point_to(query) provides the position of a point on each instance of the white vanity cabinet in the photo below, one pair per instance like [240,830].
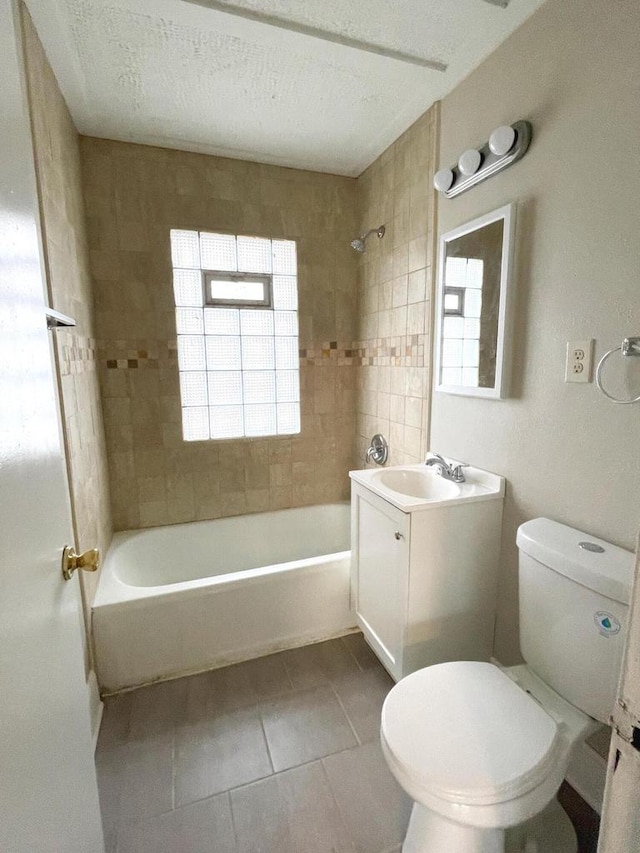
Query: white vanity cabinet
[424,581]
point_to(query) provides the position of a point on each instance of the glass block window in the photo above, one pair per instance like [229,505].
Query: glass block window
[236,302]
[462,311]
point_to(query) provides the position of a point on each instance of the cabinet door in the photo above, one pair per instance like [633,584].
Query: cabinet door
[381,566]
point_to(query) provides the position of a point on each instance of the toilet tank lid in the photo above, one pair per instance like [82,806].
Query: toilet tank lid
[608,572]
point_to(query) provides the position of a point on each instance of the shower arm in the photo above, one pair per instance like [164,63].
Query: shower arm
[379,231]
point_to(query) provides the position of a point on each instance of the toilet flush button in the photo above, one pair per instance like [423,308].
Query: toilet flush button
[592,547]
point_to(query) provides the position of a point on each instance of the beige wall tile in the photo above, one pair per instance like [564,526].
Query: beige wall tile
[133,195]
[413,411]
[395,274]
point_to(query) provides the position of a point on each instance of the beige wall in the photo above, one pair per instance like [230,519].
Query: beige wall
[69,283]
[134,195]
[394,295]
[573,70]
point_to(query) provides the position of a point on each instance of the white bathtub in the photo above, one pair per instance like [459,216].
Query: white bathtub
[190,597]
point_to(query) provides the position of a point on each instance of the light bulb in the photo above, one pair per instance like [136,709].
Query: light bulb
[501,140]
[443,179]
[469,162]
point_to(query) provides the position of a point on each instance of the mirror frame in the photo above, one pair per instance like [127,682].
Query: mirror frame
[508,214]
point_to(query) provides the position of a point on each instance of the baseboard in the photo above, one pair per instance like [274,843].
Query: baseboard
[239,657]
[96,706]
[587,774]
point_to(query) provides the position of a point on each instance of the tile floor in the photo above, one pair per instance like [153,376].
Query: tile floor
[275,755]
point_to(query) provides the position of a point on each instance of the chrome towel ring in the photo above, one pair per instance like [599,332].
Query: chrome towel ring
[629,346]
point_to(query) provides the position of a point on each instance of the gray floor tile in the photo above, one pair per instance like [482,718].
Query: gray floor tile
[116,716]
[156,709]
[361,651]
[267,675]
[204,827]
[362,695]
[373,806]
[135,781]
[305,725]
[109,789]
[218,692]
[219,753]
[318,663]
[292,812]
[110,842]
[206,732]
[231,687]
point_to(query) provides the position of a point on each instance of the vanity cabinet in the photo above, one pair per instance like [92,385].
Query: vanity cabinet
[424,582]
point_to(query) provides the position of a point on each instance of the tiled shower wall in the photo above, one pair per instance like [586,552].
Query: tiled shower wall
[57,159]
[394,295]
[134,195]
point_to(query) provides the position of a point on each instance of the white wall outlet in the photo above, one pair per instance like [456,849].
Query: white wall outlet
[579,360]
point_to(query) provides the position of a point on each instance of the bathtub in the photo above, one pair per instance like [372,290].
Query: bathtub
[189,597]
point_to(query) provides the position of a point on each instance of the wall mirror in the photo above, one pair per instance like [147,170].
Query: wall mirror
[472,323]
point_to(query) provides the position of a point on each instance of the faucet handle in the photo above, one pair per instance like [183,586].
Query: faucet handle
[456,473]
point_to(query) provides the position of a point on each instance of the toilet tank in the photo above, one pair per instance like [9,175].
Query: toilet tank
[574,600]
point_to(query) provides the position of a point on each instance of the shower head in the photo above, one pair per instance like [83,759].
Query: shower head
[360,243]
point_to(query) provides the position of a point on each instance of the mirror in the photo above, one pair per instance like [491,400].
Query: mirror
[471,315]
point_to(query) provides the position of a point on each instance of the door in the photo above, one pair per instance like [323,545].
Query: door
[48,791]
[620,830]
[381,534]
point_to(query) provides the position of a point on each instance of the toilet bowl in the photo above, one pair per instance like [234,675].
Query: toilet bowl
[482,750]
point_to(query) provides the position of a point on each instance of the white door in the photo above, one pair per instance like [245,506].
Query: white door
[620,829]
[48,791]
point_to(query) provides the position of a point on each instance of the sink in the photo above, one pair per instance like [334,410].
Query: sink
[416,487]
[424,483]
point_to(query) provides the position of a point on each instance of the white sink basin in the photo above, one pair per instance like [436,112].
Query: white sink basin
[424,483]
[415,487]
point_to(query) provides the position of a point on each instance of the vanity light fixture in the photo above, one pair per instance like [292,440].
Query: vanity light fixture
[469,162]
[501,140]
[443,180]
[507,144]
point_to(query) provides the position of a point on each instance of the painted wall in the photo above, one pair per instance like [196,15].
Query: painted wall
[573,70]
[134,195]
[394,295]
[57,158]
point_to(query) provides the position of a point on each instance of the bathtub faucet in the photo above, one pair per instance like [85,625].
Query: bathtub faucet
[378,450]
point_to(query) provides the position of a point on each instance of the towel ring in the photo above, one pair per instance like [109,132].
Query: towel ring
[629,346]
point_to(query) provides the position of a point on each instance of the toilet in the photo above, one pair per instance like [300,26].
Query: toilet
[482,750]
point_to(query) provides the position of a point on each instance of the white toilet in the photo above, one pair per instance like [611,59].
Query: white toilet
[482,751]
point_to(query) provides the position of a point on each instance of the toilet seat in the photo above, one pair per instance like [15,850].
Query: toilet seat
[464,733]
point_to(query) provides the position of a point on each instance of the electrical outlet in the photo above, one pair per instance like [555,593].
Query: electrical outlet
[578,364]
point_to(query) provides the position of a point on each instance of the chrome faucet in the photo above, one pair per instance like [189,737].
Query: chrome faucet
[449,472]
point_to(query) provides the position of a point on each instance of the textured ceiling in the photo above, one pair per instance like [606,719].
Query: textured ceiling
[277,81]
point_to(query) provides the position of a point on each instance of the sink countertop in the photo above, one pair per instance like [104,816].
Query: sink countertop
[479,485]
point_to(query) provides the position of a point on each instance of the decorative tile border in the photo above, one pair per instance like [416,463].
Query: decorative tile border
[136,355]
[335,352]
[402,351]
[139,354]
[78,354]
